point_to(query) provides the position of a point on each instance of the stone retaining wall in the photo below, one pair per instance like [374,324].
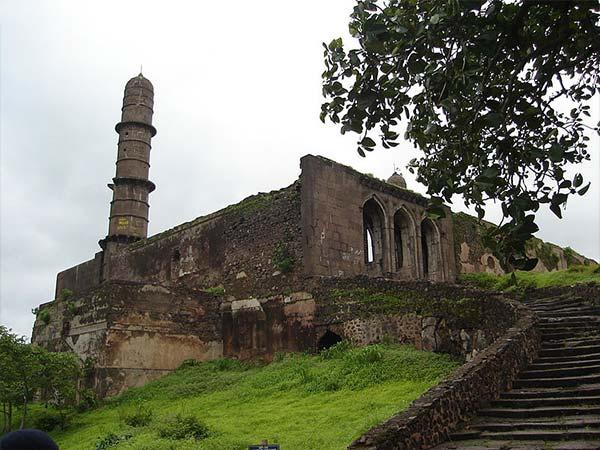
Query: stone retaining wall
[432,417]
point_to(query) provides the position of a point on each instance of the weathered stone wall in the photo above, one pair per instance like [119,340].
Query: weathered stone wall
[333,201]
[431,418]
[133,332]
[81,277]
[473,257]
[436,317]
[236,247]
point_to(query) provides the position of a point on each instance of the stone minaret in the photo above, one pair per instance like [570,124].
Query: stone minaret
[128,219]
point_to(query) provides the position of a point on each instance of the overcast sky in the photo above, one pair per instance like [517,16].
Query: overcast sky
[237,99]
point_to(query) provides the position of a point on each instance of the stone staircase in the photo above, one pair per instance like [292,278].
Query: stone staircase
[555,402]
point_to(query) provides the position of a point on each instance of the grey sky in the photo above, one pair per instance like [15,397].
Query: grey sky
[237,99]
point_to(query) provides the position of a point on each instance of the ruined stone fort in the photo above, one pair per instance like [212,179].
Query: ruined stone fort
[277,272]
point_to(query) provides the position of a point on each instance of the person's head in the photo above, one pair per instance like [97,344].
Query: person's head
[27,440]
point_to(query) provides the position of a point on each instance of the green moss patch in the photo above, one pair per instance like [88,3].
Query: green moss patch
[467,309]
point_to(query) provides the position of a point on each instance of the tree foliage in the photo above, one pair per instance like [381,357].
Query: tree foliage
[495,93]
[29,371]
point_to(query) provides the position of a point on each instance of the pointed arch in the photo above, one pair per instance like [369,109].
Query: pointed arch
[430,250]
[374,240]
[404,242]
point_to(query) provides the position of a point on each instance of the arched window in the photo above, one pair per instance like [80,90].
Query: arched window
[374,238]
[402,239]
[430,249]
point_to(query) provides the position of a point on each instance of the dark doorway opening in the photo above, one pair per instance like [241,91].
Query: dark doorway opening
[425,248]
[329,339]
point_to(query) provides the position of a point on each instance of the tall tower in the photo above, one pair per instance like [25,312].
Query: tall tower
[128,219]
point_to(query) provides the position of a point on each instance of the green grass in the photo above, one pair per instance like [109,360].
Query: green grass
[572,275]
[301,401]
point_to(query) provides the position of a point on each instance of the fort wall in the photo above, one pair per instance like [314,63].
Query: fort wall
[338,203]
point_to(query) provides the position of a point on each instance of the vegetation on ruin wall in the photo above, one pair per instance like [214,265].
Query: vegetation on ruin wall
[470,230]
[524,280]
[467,309]
[250,204]
[300,401]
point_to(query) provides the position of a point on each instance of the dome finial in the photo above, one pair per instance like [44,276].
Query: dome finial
[397,179]
[141,70]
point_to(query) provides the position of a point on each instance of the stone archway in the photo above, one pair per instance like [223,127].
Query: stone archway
[329,339]
[430,251]
[374,233]
[404,244]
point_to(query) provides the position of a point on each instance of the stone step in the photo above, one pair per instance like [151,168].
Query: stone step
[570,351]
[560,336]
[560,372]
[575,342]
[588,422]
[570,312]
[584,390]
[566,359]
[556,382]
[575,434]
[563,365]
[573,319]
[526,413]
[539,402]
[550,302]
[575,304]
[559,327]
[516,445]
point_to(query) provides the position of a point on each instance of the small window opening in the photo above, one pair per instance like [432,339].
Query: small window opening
[373,235]
[425,254]
[370,248]
[329,339]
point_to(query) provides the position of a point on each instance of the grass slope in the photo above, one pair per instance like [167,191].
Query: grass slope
[301,401]
[572,275]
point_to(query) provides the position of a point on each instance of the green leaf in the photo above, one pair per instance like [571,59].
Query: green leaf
[583,190]
[556,210]
[368,142]
[578,180]
[556,153]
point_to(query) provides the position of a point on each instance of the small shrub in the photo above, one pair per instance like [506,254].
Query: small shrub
[336,350]
[65,294]
[366,355]
[71,308]
[50,419]
[139,415]
[283,258]
[87,400]
[110,440]
[44,316]
[227,364]
[187,363]
[215,290]
[183,427]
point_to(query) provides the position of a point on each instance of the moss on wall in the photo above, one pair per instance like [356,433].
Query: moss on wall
[467,310]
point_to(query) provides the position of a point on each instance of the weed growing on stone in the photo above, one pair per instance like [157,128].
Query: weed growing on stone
[215,290]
